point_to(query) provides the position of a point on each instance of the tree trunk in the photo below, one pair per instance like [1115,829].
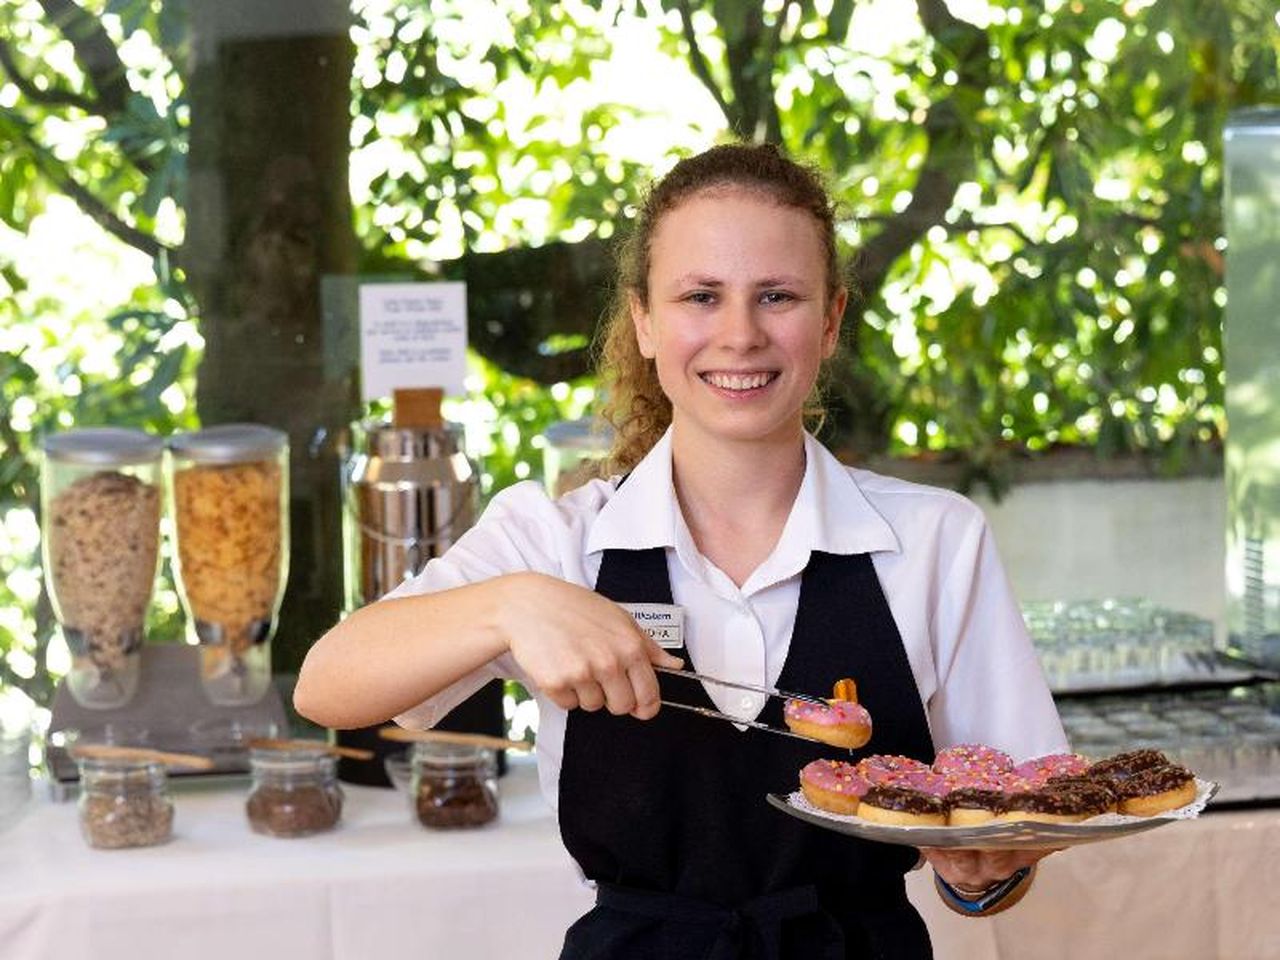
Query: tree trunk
[269,215]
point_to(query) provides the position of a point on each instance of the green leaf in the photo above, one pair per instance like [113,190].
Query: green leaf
[165,374]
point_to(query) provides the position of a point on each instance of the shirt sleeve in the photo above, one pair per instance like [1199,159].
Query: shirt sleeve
[521,530]
[991,688]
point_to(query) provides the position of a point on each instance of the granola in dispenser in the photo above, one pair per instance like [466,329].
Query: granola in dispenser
[103,534]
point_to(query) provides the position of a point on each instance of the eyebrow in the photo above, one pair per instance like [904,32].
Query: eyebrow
[698,280]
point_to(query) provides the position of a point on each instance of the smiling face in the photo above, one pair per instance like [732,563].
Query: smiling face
[739,317]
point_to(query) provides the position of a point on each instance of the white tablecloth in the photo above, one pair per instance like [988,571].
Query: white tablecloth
[381,886]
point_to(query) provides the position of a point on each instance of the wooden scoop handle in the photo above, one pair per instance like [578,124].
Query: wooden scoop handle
[401,735]
[351,753]
[107,751]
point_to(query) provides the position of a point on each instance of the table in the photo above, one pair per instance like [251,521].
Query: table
[379,886]
[382,886]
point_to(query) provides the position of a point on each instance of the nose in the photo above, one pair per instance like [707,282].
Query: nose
[741,325]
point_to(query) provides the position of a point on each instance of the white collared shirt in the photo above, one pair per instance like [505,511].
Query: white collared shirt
[974,666]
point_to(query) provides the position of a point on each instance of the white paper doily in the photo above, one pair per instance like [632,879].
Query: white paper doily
[999,835]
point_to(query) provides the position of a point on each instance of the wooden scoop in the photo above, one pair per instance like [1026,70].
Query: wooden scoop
[401,735]
[107,751]
[351,753]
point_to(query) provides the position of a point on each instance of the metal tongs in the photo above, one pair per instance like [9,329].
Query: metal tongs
[717,715]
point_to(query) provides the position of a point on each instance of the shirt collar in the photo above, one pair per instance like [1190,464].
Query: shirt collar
[830,514]
[642,512]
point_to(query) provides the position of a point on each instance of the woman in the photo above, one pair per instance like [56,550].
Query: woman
[790,570]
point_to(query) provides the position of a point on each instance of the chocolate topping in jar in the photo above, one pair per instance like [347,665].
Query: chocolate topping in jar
[454,785]
[903,799]
[462,801]
[294,811]
[295,792]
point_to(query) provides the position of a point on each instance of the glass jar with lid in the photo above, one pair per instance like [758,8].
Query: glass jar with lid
[453,785]
[229,486]
[295,792]
[100,526]
[124,803]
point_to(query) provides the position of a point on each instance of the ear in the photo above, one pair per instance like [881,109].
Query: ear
[832,320]
[644,328]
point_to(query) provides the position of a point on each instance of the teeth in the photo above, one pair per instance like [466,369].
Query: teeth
[737,381]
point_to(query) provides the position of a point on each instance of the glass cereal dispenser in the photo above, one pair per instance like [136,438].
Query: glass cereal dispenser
[100,539]
[229,487]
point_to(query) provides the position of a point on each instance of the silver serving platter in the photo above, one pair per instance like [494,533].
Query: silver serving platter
[1002,835]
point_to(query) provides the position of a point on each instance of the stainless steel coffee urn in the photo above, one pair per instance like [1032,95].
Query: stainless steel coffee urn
[410,492]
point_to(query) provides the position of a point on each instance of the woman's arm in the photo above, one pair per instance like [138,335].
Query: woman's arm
[574,645]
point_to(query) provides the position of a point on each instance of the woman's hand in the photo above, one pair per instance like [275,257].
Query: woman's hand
[579,648]
[972,871]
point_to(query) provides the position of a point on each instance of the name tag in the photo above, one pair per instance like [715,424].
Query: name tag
[662,621]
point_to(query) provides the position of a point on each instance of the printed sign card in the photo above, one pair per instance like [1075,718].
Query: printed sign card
[412,335]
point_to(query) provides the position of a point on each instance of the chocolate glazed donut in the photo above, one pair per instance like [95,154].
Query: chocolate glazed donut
[1156,790]
[1103,784]
[901,806]
[970,806]
[1064,803]
[1125,765]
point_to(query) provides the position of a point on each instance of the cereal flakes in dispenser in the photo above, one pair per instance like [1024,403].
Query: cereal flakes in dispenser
[100,538]
[229,488]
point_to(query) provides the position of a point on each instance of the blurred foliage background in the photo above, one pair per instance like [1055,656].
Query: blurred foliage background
[1032,187]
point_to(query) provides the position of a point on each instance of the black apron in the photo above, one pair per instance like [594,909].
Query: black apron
[668,816]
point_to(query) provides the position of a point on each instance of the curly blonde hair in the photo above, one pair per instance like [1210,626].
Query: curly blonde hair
[636,406]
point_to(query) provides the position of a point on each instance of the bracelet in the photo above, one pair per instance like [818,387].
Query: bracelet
[977,904]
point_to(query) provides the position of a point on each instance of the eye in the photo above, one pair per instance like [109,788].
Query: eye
[776,296]
[699,296]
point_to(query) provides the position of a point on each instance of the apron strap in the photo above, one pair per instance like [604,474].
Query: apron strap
[751,931]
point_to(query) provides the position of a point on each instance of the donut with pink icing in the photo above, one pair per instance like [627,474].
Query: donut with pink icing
[1016,784]
[978,779]
[833,785]
[840,723]
[969,757]
[889,769]
[926,781]
[1038,770]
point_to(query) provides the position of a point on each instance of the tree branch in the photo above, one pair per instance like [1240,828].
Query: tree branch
[100,60]
[949,158]
[963,226]
[701,68]
[772,119]
[54,98]
[95,53]
[92,206]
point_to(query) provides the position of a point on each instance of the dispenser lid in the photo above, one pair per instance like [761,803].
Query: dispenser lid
[417,408]
[103,446]
[230,443]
